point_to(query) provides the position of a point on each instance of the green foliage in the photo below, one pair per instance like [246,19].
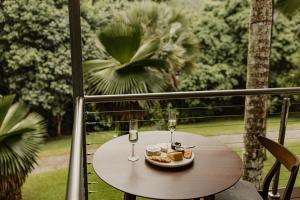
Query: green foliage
[222,28]
[99,13]
[218,77]
[284,45]
[35,53]
[20,139]
[131,69]
[292,78]
[206,77]
[35,49]
[288,7]
[146,30]
[223,32]
[147,46]
[179,46]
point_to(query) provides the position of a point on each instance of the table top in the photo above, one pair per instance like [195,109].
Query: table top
[215,167]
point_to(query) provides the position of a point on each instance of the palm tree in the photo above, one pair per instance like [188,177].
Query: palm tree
[132,67]
[20,139]
[147,46]
[179,46]
[259,49]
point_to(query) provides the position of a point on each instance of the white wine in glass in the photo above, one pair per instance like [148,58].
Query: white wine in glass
[172,123]
[133,138]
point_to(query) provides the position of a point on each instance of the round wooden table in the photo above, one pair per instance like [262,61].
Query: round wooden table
[215,168]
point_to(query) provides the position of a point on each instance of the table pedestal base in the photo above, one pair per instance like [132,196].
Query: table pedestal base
[212,197]
[128,196]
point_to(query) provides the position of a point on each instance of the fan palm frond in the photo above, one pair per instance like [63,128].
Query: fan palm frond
[145,14]
[20,139]
[121,40]
[132,68]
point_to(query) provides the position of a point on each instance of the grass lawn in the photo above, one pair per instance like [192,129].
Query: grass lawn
[62,145]
[52,185]
[232,126]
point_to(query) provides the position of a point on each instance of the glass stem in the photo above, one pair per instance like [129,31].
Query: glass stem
[132,153]
[171,137]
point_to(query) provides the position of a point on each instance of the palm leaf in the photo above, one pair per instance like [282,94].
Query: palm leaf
[5,103]
[93,66]
[158,64]
[130,79]
[121,40]
[20,139]
[145,13]
[13,116]
[146,50]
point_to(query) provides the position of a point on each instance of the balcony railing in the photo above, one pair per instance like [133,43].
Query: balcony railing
[87,119]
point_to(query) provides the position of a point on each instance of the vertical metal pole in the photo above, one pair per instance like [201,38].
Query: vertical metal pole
[77,74]
[76,49]
[75,179]
[282,130]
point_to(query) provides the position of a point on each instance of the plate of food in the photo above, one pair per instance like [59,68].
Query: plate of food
[163,157]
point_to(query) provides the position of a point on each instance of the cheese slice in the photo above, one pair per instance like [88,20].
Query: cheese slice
[153,150]
[163,147]
[175,156]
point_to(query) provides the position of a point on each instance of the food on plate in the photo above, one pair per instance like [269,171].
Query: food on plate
[187,154]
[175,144]
[175,156]
[160,159]
[153,150]
[163,147]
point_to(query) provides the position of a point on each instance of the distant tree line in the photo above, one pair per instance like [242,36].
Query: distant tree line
[35,50]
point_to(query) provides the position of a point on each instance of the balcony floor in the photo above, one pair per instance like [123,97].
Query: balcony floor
[295,195]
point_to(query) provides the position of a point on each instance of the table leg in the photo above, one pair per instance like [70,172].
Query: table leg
[212,197]
[128,196]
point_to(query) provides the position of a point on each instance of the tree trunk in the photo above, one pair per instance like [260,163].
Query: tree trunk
[14,195]
[59,123]
[259,49]
[10,187]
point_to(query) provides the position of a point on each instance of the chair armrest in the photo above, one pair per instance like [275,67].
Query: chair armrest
[262,194]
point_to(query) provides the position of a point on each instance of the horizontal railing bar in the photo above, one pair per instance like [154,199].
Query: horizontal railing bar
[191,94]
[93,182]
[177,108]
[93,191]
[93,143]
[149,120]
[200,126]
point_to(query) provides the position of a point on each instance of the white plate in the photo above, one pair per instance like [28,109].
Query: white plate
[172,164]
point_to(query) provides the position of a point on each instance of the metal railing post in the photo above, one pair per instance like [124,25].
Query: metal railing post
[274,194]
[75,186]
[77,76]
[84,158]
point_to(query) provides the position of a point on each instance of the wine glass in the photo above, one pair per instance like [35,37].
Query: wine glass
[172,122]
[133,138]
